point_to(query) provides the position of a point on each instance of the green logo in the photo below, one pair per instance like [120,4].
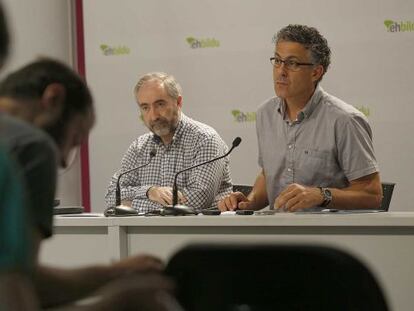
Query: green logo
[393,26]
[365,110]
[202,43]
[118,50]
[240,116]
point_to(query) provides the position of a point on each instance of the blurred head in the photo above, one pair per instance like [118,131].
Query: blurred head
[4,37]
[302,57]
[51,96]
[159,98]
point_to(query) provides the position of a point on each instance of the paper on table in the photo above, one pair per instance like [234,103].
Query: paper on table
[228,213]
[82,215]
[340,211]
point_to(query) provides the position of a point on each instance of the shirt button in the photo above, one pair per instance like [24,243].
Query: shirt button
[290,146]
[289,169]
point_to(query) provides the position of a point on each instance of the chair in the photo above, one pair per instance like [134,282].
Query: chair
[279,277]
[387,190]
[243,189]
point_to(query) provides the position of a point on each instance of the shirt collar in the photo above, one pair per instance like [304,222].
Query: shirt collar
[180,128]
[313,102]
[309,107]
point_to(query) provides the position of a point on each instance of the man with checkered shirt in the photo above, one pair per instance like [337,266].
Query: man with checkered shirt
[179,142]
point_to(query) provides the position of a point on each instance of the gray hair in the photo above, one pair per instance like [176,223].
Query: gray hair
[171,85]
[311,39]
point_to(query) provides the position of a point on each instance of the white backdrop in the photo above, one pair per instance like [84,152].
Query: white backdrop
[39,29]
[219,51]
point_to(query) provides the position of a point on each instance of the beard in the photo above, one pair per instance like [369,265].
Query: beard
[163,127]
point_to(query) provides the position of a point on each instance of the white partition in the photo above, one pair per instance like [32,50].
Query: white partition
[44,29]
[219,51]
[383,241]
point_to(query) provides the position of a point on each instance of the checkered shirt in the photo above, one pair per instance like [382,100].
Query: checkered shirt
[193,142]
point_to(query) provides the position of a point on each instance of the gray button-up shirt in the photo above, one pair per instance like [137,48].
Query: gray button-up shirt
[328,145]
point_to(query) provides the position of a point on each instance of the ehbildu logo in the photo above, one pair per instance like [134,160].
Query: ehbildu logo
[393,26]
[202,43]
[240,116]
[118,50]
[365,110]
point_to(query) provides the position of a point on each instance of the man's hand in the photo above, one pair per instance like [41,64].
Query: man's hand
[138,292]
[295,197]
[233,201]
[163,195]
[56,287]
[139,263]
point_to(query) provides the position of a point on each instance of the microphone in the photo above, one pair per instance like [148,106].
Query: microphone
[118,189]
[112,211]
[235,143]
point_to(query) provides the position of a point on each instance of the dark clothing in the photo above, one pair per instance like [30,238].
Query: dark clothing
[15,245]
[35,153]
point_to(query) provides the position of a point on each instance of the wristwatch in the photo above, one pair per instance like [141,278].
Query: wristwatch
[327,196]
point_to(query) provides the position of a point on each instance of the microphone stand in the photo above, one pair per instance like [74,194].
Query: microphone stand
[112,210]
[178,210]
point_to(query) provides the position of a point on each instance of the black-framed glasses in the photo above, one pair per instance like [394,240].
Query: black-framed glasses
[290,64]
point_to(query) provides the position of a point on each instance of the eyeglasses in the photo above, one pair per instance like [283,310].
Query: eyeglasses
[290,64]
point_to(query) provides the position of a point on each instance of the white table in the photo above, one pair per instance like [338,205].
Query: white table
[384,241]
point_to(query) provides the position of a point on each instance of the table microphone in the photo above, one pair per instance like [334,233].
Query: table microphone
[111,211]
[235,143]
[118,188]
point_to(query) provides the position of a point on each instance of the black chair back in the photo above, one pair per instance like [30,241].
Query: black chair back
[252,278]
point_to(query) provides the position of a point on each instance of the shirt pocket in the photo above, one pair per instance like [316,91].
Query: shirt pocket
[315,166]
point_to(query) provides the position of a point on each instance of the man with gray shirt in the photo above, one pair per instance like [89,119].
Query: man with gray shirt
[314,149]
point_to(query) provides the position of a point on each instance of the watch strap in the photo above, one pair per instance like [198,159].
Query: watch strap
[327,196]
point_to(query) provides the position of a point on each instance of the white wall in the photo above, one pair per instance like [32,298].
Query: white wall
[371,68]
[44,28]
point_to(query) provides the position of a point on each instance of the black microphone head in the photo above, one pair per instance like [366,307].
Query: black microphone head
[236,142]
[153,153]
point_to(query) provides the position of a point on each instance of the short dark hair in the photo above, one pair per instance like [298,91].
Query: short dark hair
[4,36]
[311,39]
[29,83]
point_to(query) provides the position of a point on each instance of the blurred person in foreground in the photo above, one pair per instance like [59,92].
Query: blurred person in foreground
[16,256]
[46,111]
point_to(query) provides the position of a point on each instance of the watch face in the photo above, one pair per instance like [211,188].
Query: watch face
[328,194]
